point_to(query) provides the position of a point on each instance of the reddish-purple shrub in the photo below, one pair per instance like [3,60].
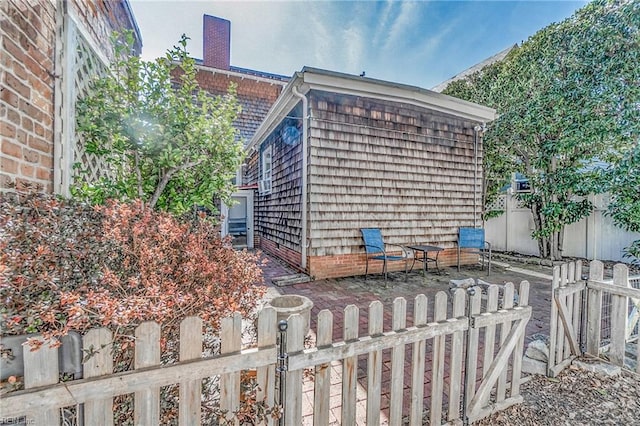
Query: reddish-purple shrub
[66,265]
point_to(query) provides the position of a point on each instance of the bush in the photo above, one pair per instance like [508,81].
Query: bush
[68,266]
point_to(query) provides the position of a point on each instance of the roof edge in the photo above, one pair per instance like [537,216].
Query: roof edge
[314,78]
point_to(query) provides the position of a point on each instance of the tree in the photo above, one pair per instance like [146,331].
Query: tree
[567,99]
[624,186]
[163,139]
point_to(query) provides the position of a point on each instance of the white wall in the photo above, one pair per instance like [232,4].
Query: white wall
[595,237]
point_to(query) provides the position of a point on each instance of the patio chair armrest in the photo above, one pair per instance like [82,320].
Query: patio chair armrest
[405,250]
[381,249]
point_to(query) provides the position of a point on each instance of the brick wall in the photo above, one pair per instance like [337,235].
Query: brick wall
[27,116]
[290,256]
[26,111]
[321,267]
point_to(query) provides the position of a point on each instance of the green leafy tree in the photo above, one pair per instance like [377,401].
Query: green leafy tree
[163,139]
[567,98]
[624,208]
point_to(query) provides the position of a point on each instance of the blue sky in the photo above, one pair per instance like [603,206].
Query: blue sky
[419,43]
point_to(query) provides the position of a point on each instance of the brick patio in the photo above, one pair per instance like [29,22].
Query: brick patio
[335,294]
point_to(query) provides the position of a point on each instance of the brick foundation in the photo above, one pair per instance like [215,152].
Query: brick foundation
[285,254]
[321,267]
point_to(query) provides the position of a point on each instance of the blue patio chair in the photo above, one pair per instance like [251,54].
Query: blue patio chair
[375,248]
[473,238]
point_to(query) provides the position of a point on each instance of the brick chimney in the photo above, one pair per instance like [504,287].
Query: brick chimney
[216,43]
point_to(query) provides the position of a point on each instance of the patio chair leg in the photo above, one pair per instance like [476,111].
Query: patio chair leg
[366,267]
[384,269]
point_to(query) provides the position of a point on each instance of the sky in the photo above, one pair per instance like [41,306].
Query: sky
[420,43]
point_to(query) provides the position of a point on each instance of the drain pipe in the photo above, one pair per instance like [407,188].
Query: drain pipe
[476,130]
[303,207]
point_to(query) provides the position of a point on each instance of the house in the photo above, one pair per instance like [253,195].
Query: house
[50,49]
[340,152]
[256,92]
[330,153]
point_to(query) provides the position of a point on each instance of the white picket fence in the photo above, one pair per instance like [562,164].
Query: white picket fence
[583,311]
[492,336]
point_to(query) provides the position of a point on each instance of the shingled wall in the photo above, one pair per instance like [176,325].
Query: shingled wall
[373,163]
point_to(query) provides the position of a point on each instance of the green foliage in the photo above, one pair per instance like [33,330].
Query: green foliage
[163,139]
[624,186]
[568,96]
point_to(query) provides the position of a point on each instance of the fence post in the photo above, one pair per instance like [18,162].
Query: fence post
[267,336]
[553,322]
[146,406]
[619,313]
[471,353]
[40,369]
[293,393]
[594,308]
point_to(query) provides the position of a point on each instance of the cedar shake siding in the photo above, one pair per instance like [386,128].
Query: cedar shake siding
[379,154]
[406,170]
[277,217]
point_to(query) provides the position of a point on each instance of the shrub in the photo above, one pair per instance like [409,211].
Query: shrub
[68,266]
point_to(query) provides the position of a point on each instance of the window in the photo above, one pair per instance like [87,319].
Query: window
[264,185]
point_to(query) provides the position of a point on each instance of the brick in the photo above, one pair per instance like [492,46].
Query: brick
[27,124]
[9,96]
[6,181]
[31,111]
[27,170]
[19,70]
[38,129]
[40,145]
[8,165]
[21,137]
[13,116]
[21,88]
[13,49]
[44,174]
[7,129]
[31,155]
[47,160]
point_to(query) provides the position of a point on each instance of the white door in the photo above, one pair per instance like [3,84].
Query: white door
[238,219]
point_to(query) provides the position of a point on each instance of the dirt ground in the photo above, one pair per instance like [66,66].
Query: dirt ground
[575,397]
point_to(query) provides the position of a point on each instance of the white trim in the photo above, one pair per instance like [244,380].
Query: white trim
[310,78]
[240,75]
[224,211]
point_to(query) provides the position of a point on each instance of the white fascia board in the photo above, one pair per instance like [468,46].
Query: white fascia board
[376,89]
[240,75]
[400,93]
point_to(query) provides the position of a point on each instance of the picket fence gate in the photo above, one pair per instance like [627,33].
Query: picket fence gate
[491,383]
[582,310]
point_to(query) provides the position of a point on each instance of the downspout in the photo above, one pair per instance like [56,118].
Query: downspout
[303,207]
[476,130]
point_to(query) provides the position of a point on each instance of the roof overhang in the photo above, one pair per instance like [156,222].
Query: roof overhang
[329,81]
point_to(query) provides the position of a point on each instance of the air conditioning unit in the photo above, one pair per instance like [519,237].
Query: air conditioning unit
[264,187]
